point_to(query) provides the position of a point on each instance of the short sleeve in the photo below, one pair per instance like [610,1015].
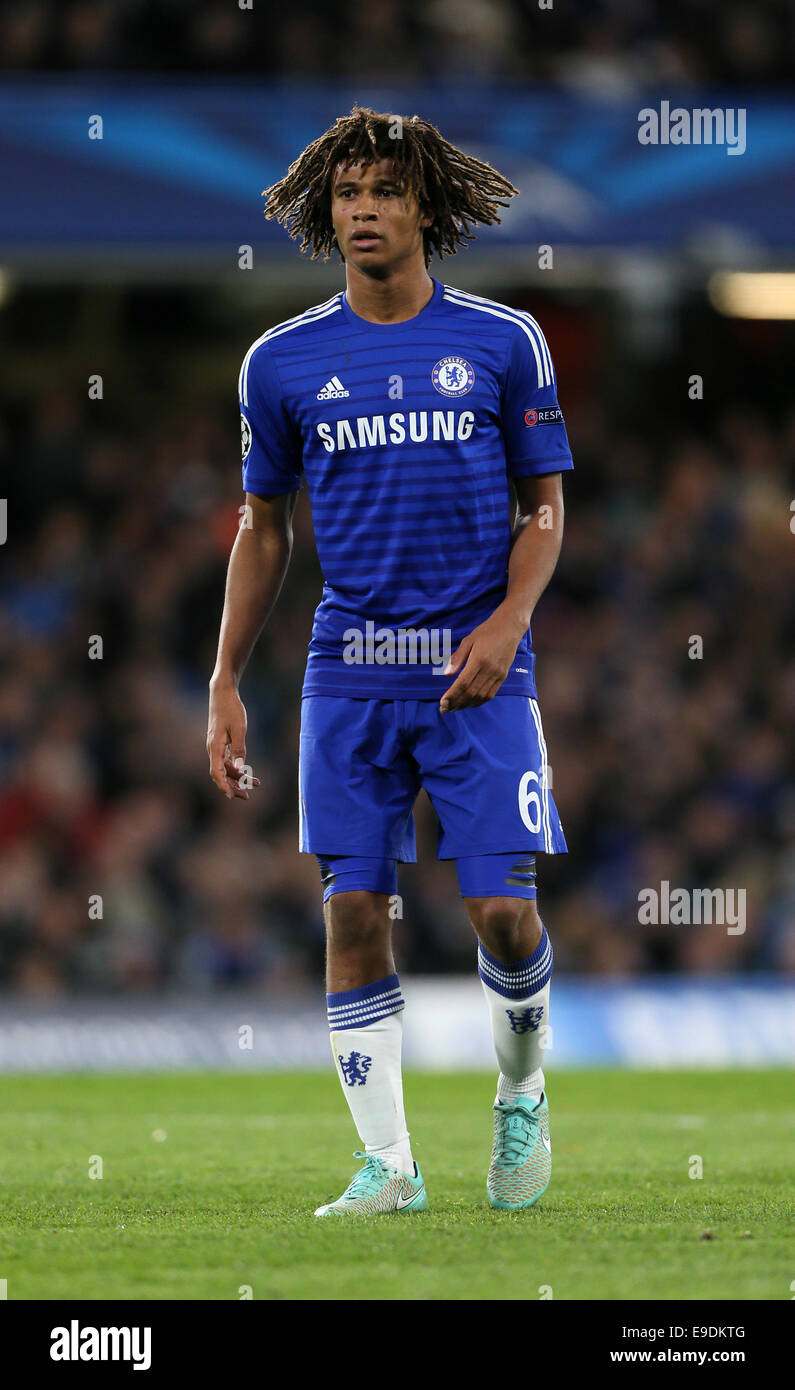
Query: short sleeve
[532,422]
[272,462]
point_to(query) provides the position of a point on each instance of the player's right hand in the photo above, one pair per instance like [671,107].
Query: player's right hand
[226,742]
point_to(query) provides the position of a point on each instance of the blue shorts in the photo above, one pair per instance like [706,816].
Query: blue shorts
[362,764]
[479,875]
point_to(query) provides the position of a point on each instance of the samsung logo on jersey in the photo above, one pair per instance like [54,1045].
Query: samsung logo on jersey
[368,431]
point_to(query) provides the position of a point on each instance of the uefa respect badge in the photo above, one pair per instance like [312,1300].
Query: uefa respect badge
[453,376]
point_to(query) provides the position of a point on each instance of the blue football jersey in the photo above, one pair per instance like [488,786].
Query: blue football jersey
[407,434]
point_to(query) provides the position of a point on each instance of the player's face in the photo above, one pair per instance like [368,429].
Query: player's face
[376,225]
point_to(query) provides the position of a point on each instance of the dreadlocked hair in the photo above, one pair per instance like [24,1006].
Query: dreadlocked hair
[453,188]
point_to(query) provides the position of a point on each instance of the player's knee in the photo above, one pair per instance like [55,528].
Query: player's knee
[503,923]
[356,920]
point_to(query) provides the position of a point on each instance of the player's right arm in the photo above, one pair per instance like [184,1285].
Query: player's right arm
[257,566]
[272,471]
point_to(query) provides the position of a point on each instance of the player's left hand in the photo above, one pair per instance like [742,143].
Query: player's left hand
[486,654]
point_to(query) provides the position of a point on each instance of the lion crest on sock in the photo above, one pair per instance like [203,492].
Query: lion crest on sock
[355,1069]
[525,1022]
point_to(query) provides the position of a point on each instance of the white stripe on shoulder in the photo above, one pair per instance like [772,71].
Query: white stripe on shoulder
[544,344]
[318,311]
[257,341]
[526,322]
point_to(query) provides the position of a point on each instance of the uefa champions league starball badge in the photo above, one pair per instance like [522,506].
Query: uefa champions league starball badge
[245,435]
[453,376]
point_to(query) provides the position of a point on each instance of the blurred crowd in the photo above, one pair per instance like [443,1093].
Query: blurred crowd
[124,869]
[609,47]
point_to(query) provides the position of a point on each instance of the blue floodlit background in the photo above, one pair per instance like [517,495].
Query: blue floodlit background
[120,257]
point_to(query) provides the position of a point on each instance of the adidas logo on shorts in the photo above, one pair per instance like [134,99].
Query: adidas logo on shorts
[332,391]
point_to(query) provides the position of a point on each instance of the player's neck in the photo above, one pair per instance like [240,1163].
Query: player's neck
[400,295]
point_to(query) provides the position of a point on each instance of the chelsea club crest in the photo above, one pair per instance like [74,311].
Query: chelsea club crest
[453,376]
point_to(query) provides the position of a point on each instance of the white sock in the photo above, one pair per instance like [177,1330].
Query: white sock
[517,994]
[508,1090]
[366,1028]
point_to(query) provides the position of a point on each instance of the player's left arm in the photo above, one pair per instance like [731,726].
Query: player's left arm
[487,652]
[536,454]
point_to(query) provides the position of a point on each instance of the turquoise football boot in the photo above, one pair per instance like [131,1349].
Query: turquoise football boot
[521,1160]
[376,1188]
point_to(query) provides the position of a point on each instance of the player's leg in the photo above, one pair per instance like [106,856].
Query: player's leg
[365,1014]
[365,1004]
[356,795]
[515,966]
[486,773]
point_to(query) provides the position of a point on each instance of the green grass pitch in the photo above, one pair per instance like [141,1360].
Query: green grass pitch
[225,1199]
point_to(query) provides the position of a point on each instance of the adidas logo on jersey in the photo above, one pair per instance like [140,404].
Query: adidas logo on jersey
[332,391]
